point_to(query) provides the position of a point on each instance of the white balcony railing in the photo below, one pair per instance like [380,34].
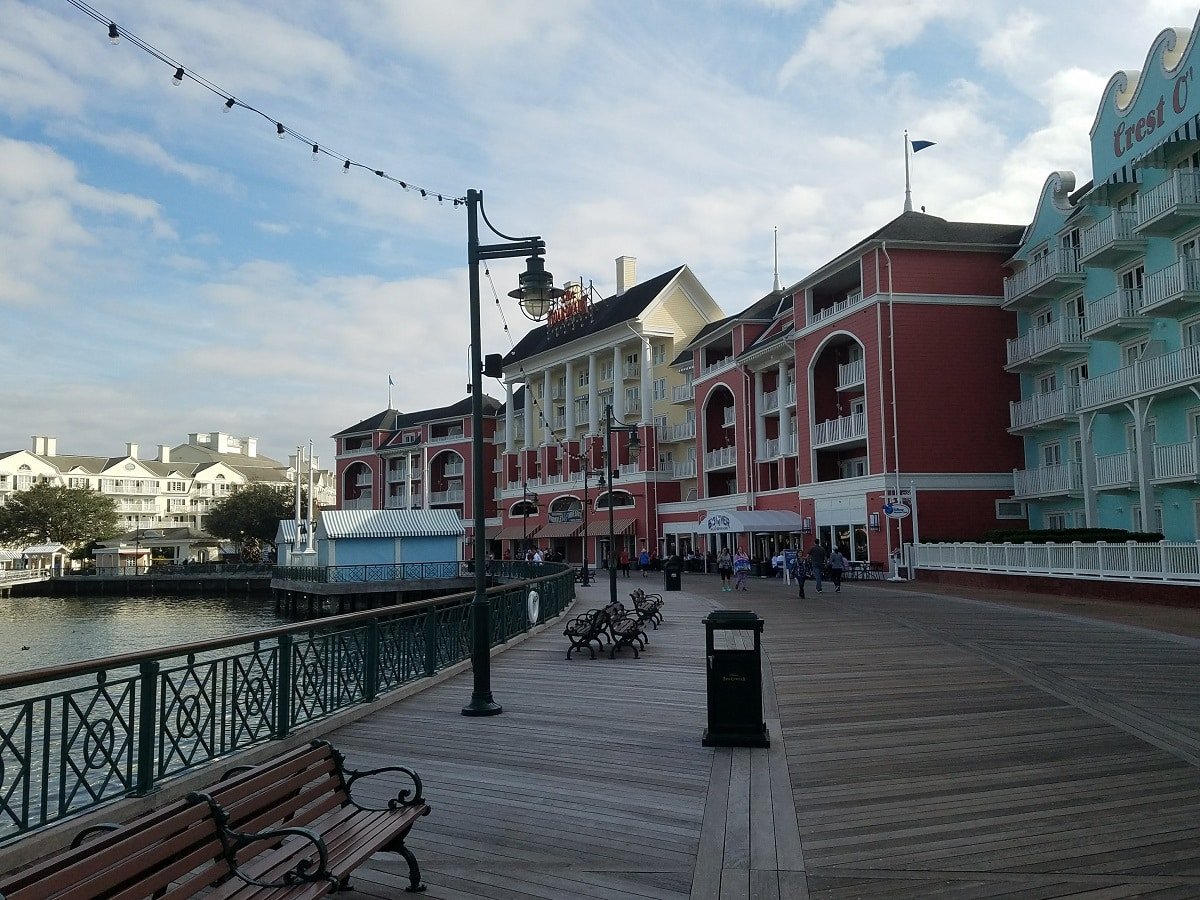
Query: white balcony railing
[1174,283]
[1037,341]
[1115,470]
[727,418]
[720,459]
[1047,407]
[453,470]
[631,370]
[683,393]
[1146,376]
[1182,188]
[454,496]
[852,299]
[1059,263]
[685,468]
[770,449]
[836,431]
[789,394]
[625,470]
[851,374]
[1117,227]
[1123,304]
[1046,480]
[770,401]
[671,434]
[448,438]
[719,366]
[1177,461]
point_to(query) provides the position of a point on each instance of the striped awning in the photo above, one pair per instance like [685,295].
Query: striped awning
[599,527]
[1118,182]
[517,532]
[560,529]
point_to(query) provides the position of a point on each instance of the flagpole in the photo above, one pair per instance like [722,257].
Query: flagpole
[907,183]
[389,406]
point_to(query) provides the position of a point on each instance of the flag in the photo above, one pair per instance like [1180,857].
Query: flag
[390,382]
[918,146]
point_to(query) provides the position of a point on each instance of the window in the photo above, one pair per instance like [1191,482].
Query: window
[658,354]
[1156,519]
[77,482]
[666,461]
[1193,419]
[853,468]
[1070,242]
[1131,436]
[1131,283]
[1189,163]
[660,421]
[1010,509]
[585,377]
[1073,307]
[540,390]
[660,388]
[1128,203]
[1076,445]
[1056,520]
[633,360]
[1047,383]
[606,371]
[560,386]
[1132,352]
[1077,374]
[633,397]
[177,486]
[1050,454]
[1042,318]
[1191,333]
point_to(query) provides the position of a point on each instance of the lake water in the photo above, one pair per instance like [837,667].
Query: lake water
[58,630]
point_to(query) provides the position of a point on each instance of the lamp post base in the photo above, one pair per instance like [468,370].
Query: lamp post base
[482,706]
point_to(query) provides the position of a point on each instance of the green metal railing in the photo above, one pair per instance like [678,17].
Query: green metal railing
[412,571]
[72,737]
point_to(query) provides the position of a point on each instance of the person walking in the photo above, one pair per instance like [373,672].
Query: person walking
[624,560]
[816,559]
[644,561]
[837,566]
[799,571]
[725,568]
[741,571]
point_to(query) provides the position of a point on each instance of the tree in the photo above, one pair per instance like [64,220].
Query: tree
[250,517]
[53,514]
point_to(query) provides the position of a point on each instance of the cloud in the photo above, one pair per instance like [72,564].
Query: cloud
[142,149]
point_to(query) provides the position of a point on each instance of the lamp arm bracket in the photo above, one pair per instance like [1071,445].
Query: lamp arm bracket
[492,228]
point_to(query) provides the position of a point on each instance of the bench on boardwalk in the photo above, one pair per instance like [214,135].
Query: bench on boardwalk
[585,629]
[288,828]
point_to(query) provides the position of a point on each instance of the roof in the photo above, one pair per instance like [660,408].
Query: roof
[394,420]
[44,548]
[337,524]
[608,312]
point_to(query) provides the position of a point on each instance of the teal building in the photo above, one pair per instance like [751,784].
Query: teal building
[1106,289]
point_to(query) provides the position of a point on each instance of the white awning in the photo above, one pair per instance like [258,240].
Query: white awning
[736,521]
[680,527]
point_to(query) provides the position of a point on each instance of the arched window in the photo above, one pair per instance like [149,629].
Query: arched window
[566,509]
[619,499]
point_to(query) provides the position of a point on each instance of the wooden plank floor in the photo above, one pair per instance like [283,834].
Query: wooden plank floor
[922,746]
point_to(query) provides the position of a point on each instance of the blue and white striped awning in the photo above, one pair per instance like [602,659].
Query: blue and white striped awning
[338,524]
[1179,139]
[1118,182]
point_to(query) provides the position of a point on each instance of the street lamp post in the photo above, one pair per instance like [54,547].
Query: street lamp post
[588,472]
[526,498]
[536,295]
[611,424]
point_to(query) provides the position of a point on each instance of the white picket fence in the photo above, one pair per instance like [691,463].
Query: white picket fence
[1163,562]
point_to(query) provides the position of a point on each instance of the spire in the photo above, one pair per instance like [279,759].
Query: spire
[777,286]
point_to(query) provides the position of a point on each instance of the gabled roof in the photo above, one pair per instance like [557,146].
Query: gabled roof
[766,309]
[394,420]
[338,524]
[606,313]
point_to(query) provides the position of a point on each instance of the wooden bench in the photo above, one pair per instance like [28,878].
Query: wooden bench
[648,606]
[288,828]
[585,629]
[625,629]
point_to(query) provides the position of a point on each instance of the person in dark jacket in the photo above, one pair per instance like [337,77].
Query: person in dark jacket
[816,559]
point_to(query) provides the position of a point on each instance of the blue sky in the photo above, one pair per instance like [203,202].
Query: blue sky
[167,268]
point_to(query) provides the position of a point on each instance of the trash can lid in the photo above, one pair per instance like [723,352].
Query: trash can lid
[733,618]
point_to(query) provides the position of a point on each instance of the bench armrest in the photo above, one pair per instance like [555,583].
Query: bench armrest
[90,830]
[233,841]
[403,798]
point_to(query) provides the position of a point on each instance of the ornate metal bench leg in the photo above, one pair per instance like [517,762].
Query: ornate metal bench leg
[414,871]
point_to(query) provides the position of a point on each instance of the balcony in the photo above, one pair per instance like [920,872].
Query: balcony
[400,473]
[1049,343]
[1044,278]
[1047,481]
[449,437]
[685,469]
[851,375]
[1177,462]
[1170,207]
[499,436]
[627,470]
[770,450]
[453,470]
[558,423]
[1168,373]
[727,417]
[1044,410]
[631,371]
[684,393]
[136,506]
[844,430]
[1111,241]
[363,502]
[770,401]
[715,368]
[1115,472]
[673,434]
[1174,290]
[789,394]
[437,498]
[1115,316]
[851,300]
[725,458]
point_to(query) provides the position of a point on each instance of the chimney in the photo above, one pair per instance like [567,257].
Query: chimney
[51,446]
[131,450]
[626,273]
[39,445]
[251,447]
[164,453]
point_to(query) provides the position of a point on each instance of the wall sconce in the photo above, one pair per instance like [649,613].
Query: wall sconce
[806,528]
[873,521]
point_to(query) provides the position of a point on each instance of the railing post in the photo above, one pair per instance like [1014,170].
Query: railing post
[283,687]
[371,675]
[431,630]
[147,726]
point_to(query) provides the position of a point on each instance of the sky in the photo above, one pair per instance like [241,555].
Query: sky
[168,268]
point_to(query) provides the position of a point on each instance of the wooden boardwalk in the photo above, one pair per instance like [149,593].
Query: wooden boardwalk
[922,746]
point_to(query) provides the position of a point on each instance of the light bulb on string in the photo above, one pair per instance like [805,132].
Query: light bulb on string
[113,34]
[346,167]
[316,150]
[229,104]
[178,79]
[280,130]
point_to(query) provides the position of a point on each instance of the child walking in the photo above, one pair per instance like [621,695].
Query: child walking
[725,568]
[741,571]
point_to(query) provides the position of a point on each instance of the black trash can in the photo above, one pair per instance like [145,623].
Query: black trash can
[735,705]
[673,574]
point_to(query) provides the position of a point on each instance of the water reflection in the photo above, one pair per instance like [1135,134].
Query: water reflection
[59,630]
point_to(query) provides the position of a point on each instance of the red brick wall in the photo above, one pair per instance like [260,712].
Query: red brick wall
[944,272]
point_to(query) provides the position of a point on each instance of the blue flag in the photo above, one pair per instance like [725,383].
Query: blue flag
[390,382]
[918,146]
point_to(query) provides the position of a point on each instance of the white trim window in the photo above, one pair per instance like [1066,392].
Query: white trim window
[1191,332]
[658,354]
[1056,520]
[1073,307]
[1050,454]
[1131,281]
[585,377]
[1046,383]
[660,389]
[1077,374]
[1132,352]
[1043,317]
[1136,515]
[606,370]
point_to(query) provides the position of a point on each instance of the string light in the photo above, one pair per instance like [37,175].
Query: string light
[229,102]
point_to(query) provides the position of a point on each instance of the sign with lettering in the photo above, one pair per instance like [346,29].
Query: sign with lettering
[1127,136]
[571,307]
